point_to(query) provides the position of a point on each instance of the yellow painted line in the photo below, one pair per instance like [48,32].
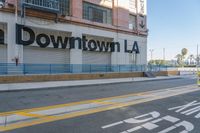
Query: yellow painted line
[30,115]
[104,102]
[77,103]
[72,115]
[69,104]
[81,113]
[47,119]
[77,114]
[67,116]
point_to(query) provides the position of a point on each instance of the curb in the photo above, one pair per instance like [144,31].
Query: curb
[7,86]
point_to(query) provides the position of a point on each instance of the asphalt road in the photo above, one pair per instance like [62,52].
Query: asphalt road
[10,101]
[93,123]
[176,114]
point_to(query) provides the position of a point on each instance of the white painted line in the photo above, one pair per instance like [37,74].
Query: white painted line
[171,119]
[168,129]
[147,96]
[124,132]
[68,109]
[134,129]
[157,120]
[113,124]
[12,118]
[150,126]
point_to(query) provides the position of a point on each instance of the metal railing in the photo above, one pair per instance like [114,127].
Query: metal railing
[48,5]
[6,69]
[61,7]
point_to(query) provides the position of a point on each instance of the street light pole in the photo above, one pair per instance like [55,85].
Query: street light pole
[164,54]
[151,50]
[197,55]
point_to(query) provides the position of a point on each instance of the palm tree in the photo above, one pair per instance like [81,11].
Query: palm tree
[197,59]
[190,58]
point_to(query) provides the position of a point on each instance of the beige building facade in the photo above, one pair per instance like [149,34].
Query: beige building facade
[108,32]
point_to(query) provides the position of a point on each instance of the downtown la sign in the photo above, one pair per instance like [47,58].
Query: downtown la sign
[43,40]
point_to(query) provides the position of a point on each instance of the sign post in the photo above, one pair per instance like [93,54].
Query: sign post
[198,76]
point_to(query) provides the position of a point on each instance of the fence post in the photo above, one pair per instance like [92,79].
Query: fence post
[131,68]
[106,68]
[49,68]
[24,69]
[142,68]
[90,68]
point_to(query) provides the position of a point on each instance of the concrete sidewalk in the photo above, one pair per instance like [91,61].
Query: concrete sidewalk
[52,84]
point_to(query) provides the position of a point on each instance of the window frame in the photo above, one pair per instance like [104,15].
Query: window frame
[105,18]
[68,10]
[2,37]
[134,27]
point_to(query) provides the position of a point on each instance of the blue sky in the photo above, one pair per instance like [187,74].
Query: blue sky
[173,25]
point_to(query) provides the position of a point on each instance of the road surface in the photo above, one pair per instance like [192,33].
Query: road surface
[164,106]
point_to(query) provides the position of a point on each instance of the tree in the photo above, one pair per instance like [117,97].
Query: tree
[163,62]
[184,52]
[157,62]
[151,62]
[190,58]
[179,59]
[197,59]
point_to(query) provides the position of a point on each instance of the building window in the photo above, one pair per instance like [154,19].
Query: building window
[132,22]
[1,36]
[132,4]
[97,13]
[65,7]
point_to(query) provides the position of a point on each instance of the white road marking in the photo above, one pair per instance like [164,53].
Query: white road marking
[168,129]
[187,125]
[134,129]
[153,115]
[180,108]
[150,126]
[113,124]
[133,99]
[12,118]
[67,109]
[188,109]
[171,119]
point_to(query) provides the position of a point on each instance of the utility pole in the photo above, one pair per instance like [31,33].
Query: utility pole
[151,50]
[164,54]
[197,55]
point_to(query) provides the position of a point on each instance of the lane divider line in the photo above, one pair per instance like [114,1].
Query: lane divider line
[85,101]
[88,111]
[30,115]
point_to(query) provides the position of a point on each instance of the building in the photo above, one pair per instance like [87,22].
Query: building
[101,32]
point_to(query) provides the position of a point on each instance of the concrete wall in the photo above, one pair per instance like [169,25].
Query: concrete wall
[167,73]
[188,70]
[75,30]
[65,77]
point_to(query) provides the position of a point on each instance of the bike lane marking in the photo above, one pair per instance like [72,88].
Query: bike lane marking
[43,116]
